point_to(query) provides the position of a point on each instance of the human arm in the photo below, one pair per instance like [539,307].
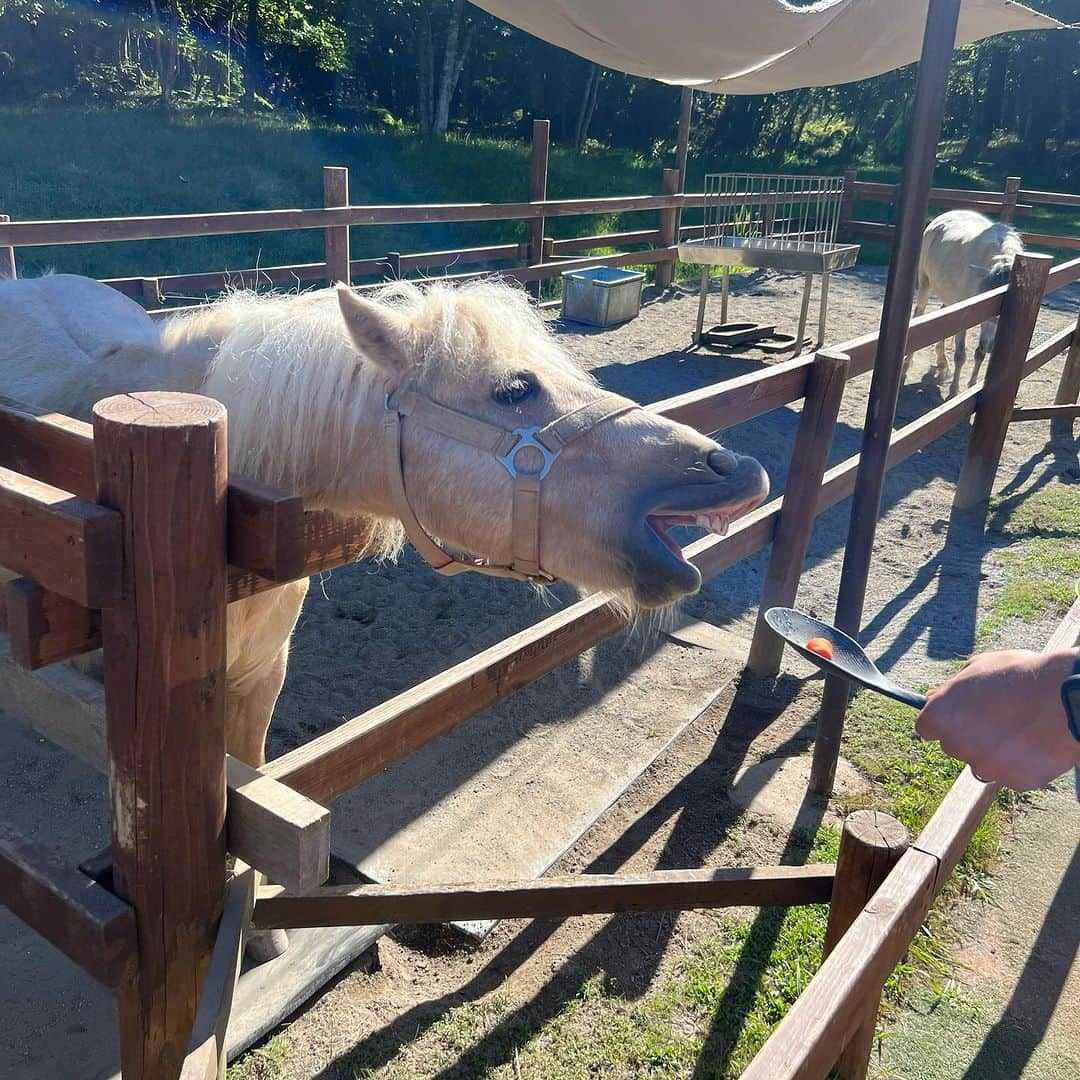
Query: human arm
[1002,713]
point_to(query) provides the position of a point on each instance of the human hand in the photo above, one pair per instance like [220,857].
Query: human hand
[1002,714]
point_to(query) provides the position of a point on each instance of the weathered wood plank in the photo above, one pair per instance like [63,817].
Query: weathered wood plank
[69,545]
[48,446]
[1046,412]
[555,897]
[336,238]
[1005,369]
[1056,198]
[669,231]
[286,835]
[870,846]
[161,463]
[327,541]
[205,1059]
[618,239]
[817,425]
[428,260]
[167,227]
[1050,240]
[266,525]
[82,919]
[538,182]
[265,530]
[44,627]
[1068,389]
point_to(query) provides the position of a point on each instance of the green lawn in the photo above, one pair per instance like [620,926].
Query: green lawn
[64,163]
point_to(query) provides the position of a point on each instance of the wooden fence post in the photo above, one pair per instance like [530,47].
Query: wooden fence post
[538,179]
[7,256]
[847,202]
[161,462]
[1068,390]
[151,293]
[824,391]
[1005,369]
[870,846]
[1008,205]
[336,243]
[669,226]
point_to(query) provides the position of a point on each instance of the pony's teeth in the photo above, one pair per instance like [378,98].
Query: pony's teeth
[704,521]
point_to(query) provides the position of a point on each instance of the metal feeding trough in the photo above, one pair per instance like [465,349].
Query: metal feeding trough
[776,222]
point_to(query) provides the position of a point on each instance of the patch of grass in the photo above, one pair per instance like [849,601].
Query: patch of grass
[265,1062]
[911,777]
[64,162]
[1042,560]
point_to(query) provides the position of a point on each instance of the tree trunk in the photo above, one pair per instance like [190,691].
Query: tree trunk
[449,69]
[252,59]
[588,105]
[165,47]
[987,114]
[425,72]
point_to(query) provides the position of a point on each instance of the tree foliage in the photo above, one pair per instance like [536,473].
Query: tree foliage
[443,65]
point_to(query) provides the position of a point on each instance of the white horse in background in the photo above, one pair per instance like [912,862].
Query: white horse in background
[964,254]
[307,380]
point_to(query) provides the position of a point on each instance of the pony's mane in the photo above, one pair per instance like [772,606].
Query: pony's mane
[289,358]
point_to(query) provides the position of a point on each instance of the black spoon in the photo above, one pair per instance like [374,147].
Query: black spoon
[848,659]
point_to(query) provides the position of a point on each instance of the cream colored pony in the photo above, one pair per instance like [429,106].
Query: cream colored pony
[305,379]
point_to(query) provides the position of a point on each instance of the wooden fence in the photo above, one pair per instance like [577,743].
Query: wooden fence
[83,510]
[1005,205]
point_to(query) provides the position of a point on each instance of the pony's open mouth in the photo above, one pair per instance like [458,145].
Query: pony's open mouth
[716,521]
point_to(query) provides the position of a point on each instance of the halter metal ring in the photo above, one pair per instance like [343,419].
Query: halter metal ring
[526,436]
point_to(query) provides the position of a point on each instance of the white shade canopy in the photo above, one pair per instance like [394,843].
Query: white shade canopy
[753,46]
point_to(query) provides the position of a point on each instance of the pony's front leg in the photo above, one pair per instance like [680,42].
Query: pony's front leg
[959,358]
[922,297]
[247,719]
[259,632]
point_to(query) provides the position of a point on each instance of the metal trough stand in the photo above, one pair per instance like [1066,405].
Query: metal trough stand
[770,221]
[773,255]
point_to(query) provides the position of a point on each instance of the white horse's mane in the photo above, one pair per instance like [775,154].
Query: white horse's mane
[290,358]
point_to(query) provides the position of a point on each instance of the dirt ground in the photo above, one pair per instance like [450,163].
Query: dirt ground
[368,633]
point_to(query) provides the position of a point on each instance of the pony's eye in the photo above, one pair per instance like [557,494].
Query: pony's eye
[515,388]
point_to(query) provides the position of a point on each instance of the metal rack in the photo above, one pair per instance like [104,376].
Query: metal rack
[775,221]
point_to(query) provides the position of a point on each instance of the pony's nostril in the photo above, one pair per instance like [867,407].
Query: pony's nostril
[722,462]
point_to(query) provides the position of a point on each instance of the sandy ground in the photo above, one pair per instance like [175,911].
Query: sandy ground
[369,632]
[924,603]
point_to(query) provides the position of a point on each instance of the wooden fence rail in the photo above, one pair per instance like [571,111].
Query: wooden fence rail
[544,898]
[1014,199]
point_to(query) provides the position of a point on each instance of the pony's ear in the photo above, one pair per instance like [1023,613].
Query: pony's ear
[376,330]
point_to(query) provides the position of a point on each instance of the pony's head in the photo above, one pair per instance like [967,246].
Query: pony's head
[609,495]
[993,277]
